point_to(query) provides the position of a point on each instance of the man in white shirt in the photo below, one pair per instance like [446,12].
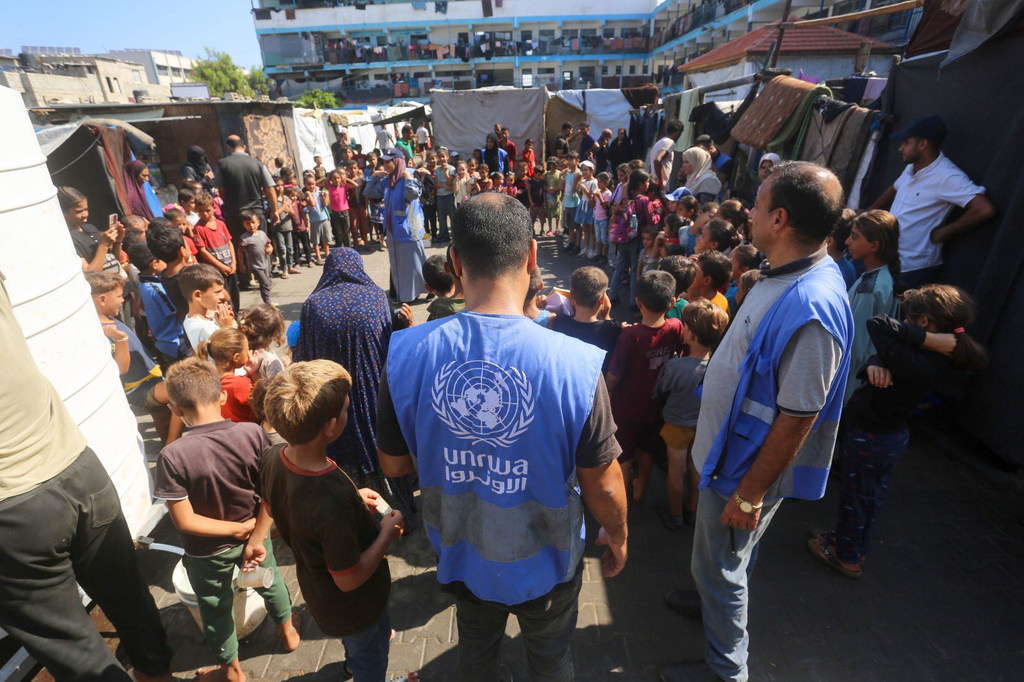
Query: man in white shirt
[423,137]
[922,198]
[659,160]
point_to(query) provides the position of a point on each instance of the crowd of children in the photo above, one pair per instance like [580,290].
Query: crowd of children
[166,294]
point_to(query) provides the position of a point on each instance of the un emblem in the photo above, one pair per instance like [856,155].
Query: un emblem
[482,402]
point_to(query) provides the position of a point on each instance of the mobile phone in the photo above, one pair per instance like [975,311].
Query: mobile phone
[383,508]
[111,221]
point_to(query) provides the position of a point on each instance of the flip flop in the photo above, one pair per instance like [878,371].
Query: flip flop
[823,553]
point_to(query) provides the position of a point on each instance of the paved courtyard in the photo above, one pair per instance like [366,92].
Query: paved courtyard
[941,598]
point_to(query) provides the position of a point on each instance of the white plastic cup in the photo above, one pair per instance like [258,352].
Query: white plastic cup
[258,577]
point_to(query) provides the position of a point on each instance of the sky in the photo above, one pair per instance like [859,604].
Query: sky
[104,25]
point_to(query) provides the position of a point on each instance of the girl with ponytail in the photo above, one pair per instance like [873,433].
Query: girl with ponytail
[873,240]
[913,358]
[228,350]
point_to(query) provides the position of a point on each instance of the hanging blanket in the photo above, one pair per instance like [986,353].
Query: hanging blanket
[848,149]
[822,136]
[792,133]
[766,116]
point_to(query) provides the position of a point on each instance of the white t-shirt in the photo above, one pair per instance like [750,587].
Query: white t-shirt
[668,145]
[422,135]
[198,329]
[923,202]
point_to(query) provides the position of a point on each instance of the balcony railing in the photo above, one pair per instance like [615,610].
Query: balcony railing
[699,16]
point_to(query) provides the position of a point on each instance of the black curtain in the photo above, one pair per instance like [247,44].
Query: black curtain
[978,96]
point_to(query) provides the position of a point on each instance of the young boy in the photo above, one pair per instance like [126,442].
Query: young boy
[570,201]
[445,286]
[161,297]
[633,372]
[713,270]
[140,376]
[590,324]
[836,245]
[326,521]
[180,221]
[533,305]
[215,245]
[209,480]
[187,202]
[208,307]
[535,194]
[586,189]
[683,271]
[744,259]
[319,172]
[703,326]
[257,247]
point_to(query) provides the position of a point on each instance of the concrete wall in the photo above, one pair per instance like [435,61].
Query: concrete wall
[41,89]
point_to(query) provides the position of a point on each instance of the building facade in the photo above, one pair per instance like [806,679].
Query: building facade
[46,79]
[163,67]
[371,50]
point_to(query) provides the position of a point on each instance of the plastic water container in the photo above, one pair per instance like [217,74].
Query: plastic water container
[54,308]
[249,608]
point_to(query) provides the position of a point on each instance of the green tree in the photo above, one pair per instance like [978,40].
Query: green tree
[222,75]
[258,81]
[317,99]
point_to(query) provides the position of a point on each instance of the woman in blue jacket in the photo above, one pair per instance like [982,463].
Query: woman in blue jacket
[403,223]
[494,156]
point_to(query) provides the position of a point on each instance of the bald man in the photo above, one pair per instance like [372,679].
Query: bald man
[770,408]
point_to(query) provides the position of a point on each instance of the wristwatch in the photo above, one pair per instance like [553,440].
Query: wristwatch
[746,507]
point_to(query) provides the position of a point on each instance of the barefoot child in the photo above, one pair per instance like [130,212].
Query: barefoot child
[208,479]
[327,522]
[703,327]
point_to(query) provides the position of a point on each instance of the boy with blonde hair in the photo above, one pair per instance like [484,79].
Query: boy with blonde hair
[328,523]
[209,480]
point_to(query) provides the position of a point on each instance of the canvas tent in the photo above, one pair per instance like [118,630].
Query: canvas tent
[314,135]
[463,118]
[987,142]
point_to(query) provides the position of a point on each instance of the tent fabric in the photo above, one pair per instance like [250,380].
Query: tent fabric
[935,29]
[313,136]
[90,160]
[793,131]
[603,108]
[822,136]
[844,160]
[558,112]
[721,75]
[645,95]
[982,21]
[989,260]
[463,118]
[770,112]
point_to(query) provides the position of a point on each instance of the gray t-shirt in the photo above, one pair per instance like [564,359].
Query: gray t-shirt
[439,177]
[680,378]
[255,246]
[805,373]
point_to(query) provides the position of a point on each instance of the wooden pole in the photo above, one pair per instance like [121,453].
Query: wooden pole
[854,16]
[782,31]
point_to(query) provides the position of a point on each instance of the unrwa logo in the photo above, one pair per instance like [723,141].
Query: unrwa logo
[482,402]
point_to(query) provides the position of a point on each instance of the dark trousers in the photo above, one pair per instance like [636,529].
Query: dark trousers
[547,624]
[300,238]
[867,462]
[262,276]
[430,218]
[231,284]
[71,528]
[342,229]
[285,252]
[918,278]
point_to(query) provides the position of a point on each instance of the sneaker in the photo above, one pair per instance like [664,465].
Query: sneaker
[684,602]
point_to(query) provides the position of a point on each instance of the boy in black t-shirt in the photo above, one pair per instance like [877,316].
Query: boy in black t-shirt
[209,479]
[327,522]
[590,324]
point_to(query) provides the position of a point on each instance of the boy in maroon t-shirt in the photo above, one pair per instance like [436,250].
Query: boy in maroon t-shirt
[215,246]
[633,373]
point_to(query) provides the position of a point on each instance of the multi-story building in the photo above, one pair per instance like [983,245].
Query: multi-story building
[383,49]
[163,67]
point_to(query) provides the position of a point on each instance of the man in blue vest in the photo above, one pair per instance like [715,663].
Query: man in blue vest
[509,427]
[770,408]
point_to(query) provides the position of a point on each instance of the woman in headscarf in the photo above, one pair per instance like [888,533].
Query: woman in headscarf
[136,175]
[197,167]
[494,156]
[701,179]
[766,164]
[620,150]
[347,320]
[403,224]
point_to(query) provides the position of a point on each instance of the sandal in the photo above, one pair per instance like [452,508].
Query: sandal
[823,553]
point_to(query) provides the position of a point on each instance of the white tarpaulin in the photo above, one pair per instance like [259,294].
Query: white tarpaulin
[700,79]
[605,108]
[463,118]
[313,133]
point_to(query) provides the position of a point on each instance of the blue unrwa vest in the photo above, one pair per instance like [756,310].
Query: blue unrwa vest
[817,295]
[492,408]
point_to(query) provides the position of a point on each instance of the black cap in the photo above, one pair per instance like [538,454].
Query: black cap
[930,128]
[392,153]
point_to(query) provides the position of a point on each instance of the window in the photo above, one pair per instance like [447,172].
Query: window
[527,80]
[110,85]
[632,69]
[570,33]
[604,70]
[588,32]
[646,68]
[463,38]
[609,33]
[136,77]
[618,70]
[545,71]
[526,34]
[547,34]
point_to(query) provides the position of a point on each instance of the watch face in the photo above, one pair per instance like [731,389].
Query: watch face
[746,507]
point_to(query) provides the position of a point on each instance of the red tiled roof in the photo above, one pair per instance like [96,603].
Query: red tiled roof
[796,40]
